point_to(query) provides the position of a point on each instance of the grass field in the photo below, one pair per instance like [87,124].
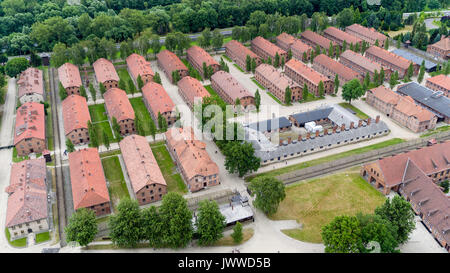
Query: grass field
[227,58]
[117,185]
[125,76]
[247,234]
[360,114]
[311,97]
[314,203]
[18,158]
[214,94]
[22,242]
[435,131]
[42,237]
[174,180]
[240,69]
[142,113]
[327,158]
[257,83]
[100,122]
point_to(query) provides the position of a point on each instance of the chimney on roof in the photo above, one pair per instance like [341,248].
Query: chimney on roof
[377,119]
[352,124]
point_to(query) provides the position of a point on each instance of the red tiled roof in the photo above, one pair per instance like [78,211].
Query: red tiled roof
[27,191]
[105,71]
[170,61]
[300,46]
[336,67]
[317,39]
[267,46]
[389,56]
[118,105]
[443,44]
[367,32]
[191,153]
[361,60]
[140,162]
[385,94]
[87,178]
[200,56]
[230,85]
[240,50]
[440,80]
[192,88]
[157,98]
[69,75]
[75,113]
[307,72]
[31,81]
[286,38]
[274,76]
[138,65]
[429,159]
[30,122]
[341,35]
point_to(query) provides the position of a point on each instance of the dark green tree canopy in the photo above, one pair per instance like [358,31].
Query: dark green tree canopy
[269,193]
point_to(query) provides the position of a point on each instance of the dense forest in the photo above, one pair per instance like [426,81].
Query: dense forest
[37,25]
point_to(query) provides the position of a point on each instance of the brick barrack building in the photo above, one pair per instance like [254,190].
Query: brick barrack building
[76,117]
[119,107]
[238,53]
[106,74]
[402,109]
[362,65]
[145,176]
[197,56]
[169,62]
[265,49]
[88,181]
[139,66]
[31,86]
[197,168]
[391,60]
[276,82]
[338,36]
[157,101]
[369,35]
[29,134]
[230,89]
[303,74]
[313,39]
[69,76]
[440,49]
[190,88]
[298,48]
[439,83]
[330,68]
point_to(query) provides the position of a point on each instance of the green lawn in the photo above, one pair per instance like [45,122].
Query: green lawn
[227,58]
[142,113]
[173,179]
[258,84]
[196,74]
[42,237]
[247,234]
[327,159]
[239,68]
[435,131]
[314,203]
[22,242]
[18,158]
[117,185]
[100,122]
[213,93]
[49,129]
[360,114]
[109,153]
[125,76]
[311,97]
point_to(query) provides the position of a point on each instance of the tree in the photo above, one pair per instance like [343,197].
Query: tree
[152,227]
[240,158]
[217,39]
[131,87]
[409,73]
[122,84]
[83,92]
[253,65]
[176,220]
[321,89]
[377,42]
[102,88]
[276,62]
[330,50]
[155,44]
[421,72]
[35,60]
[336,84]
[126,225]
[248,63]
[116,129]
[445,186]
[92,135]
[82,227]
[376,229]
[283,62]
[15,66]
[398,43]
[342,235]
[60,55]
[398,211]
[386,44]
[210,222]
[93,92]
[269,60]
[257,100]
[269,193]
[305,57]
[69,145]
[392,80]
[152,129]
[140,83]
[382,76]
[287,95]
[106,140]
[305,92]
[62,91]
[352,90]
[237,233]
[157,78]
